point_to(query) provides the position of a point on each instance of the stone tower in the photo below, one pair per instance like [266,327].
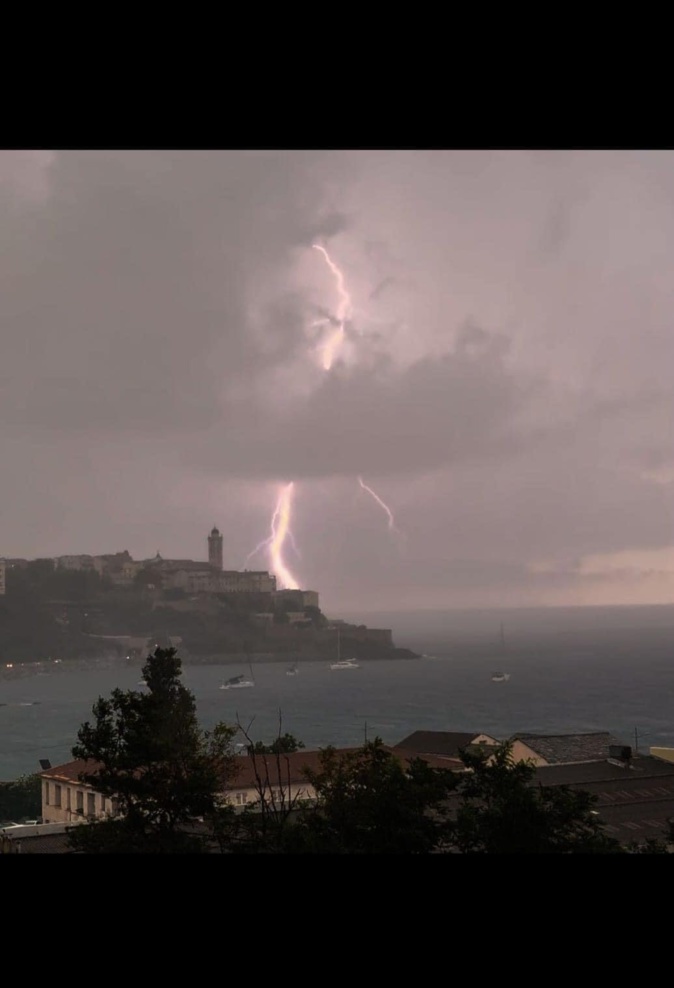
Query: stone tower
[215,548]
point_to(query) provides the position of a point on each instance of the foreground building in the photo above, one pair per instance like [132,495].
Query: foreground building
[49,838]
[635,793]
[66,799]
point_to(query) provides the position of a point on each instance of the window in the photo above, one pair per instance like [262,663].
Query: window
[241,798]
[80,801]
[57,796]
[91,804]
[46,794]
[102,804]
[68,798]
[115,806]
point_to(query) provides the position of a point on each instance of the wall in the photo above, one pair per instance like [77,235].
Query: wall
[667,754]
[522,753]
[485,739]
[249,796]
[67,811]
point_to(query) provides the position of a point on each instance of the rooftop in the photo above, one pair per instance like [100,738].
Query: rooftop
[565,749]
[634,802]
[447,743]
[294,766]
[70,771]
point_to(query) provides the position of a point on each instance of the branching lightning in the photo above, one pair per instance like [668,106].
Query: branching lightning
[336,338]
[385,507]
[280,527]
[280,522]
[268,541]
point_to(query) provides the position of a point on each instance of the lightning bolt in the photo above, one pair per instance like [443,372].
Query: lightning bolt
[280,522]
[280,528]
[336,338]
[268,541]
[385,507]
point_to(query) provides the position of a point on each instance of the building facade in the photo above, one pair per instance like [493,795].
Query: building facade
[299,599]
[66,799]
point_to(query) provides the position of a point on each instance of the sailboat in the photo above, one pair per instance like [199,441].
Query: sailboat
[343,663]
[501,677]
[292,670]
[239,682]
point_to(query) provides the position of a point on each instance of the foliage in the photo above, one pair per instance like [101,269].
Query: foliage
[21,800]
[284,744]
[650,846]
[501,811]
[369,802]
[152,757]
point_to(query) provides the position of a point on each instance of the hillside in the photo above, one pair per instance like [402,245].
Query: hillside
[50,613]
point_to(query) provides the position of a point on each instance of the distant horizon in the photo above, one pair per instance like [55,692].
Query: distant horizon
[384,609]
[523,607]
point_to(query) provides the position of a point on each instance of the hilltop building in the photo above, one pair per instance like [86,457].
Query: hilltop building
[215,549]
[195,577]
[189,575]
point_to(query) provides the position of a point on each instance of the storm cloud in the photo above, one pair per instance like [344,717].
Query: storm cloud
[505,382]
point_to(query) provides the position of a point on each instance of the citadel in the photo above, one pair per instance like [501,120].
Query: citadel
[189,575]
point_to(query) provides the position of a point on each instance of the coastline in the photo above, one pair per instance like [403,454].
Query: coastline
[22,670]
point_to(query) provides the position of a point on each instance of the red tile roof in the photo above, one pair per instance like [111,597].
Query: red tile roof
[71,771]
[292,767]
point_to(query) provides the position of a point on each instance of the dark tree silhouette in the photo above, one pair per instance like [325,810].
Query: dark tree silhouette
[148,753]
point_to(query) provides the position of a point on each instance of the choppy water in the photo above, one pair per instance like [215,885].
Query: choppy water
[559,693]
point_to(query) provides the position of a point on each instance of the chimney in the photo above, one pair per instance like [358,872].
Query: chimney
[619,754]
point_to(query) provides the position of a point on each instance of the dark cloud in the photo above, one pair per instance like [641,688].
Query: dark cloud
[378,419]
[506,381]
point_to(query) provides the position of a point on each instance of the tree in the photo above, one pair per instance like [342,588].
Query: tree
[369,802]
[261,827]
[284,744]
[500,811]
[148,753]
[22,799]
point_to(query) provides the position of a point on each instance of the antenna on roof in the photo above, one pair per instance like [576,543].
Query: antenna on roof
[636,740]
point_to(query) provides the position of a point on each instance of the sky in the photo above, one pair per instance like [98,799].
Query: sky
[503,381]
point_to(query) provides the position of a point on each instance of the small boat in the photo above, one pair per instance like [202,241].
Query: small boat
[237,683]
[141,682]
[501,677]
[292,670]
[345,664]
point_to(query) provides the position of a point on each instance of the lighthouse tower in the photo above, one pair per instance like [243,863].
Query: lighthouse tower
[215,548]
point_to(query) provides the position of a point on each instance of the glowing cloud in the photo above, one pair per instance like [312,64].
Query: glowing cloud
[385,507]
[336,338]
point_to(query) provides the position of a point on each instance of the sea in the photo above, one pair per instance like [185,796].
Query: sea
[569,671]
